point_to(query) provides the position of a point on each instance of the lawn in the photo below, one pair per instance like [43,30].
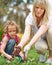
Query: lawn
[33,59]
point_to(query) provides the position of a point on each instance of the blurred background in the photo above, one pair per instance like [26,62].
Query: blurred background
[16,10]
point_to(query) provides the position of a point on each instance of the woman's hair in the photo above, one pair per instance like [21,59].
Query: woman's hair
[10,22]
[45,5]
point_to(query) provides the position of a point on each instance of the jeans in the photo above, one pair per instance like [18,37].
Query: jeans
[10,46]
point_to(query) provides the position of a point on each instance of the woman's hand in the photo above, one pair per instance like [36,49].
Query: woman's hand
[27,48]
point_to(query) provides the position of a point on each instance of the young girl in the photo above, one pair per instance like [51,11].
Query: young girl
[10,38]
[40,21]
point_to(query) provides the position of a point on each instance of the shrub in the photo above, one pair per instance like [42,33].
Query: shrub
[1,32]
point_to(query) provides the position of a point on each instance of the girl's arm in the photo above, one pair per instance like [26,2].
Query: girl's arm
[39,33]
[26,35]
[3,46]
[4,42]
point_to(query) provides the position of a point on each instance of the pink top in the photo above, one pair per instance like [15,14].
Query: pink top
[16,39]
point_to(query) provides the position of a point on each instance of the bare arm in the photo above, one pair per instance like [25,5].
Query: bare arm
[26,35]
[4,42]
[39,33]
[3,46]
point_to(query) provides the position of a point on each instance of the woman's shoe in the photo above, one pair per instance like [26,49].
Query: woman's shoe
[49,61]
[42,58]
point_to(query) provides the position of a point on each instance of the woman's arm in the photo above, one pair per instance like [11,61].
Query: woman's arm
[39,33]
[26,35]
[35,38]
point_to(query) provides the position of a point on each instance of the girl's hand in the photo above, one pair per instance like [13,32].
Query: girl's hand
[9,57]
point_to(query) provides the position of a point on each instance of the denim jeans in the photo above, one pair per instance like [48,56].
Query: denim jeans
[10,46]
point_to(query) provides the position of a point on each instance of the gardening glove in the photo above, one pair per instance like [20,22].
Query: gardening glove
[26,49]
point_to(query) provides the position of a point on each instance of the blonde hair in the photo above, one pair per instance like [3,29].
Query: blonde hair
[10,22]
[45,4]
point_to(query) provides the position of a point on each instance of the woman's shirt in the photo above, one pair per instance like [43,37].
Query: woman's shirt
[50,19]
[29,20]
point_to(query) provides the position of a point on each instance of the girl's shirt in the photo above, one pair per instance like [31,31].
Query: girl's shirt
[7,35]
[16,38]
[29,20]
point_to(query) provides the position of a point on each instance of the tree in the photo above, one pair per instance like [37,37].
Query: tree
[5,5]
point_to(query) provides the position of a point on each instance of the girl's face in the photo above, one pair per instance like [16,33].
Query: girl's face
[12,31]
[39,11]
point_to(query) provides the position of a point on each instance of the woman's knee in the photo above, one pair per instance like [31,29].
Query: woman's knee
[49,33]
[49,38]
[41,47]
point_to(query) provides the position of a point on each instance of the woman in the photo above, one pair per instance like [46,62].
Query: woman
[40,22]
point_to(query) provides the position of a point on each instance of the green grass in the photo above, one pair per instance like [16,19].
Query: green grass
[33,59]
[1,32]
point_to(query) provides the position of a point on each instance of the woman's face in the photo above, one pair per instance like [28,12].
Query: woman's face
[12,31]
[39,11]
